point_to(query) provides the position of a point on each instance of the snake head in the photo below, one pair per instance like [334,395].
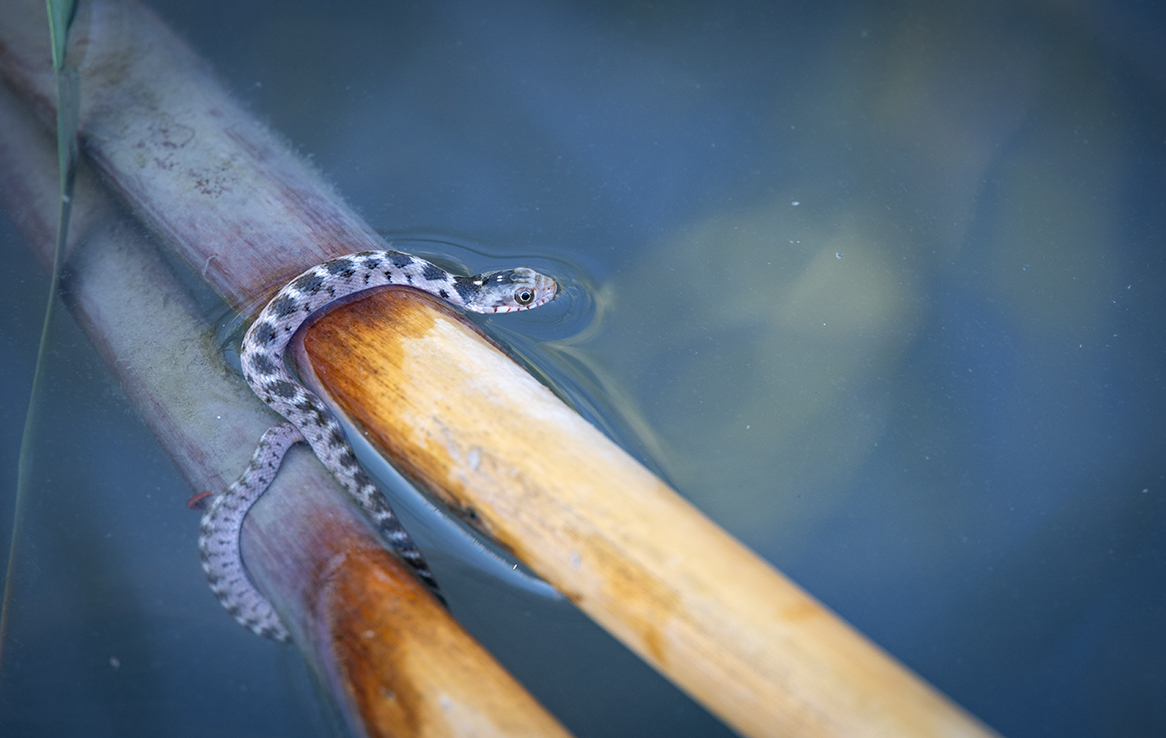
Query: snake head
[507,291]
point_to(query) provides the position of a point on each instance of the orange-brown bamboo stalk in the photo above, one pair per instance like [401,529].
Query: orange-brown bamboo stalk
[394,658]
[230,198]
[472,426]
[388,649]
[413,670]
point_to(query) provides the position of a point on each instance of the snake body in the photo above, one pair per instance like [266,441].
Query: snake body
[310,420]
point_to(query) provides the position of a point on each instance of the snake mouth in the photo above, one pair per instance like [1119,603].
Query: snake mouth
[545,290]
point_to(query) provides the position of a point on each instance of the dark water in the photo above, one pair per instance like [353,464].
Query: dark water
[878,286]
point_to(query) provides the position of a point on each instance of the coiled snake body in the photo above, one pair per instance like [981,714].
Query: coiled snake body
[309,419]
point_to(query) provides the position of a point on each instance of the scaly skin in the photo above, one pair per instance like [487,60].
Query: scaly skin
[309,419]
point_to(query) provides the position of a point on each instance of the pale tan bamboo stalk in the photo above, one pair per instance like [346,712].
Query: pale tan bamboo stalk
[470,425]
[396,661]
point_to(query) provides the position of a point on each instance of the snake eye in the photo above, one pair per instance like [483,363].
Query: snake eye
[524,296]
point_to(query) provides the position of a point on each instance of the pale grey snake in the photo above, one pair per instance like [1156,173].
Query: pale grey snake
[309,419]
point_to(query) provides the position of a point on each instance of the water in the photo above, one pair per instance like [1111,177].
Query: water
[876,286]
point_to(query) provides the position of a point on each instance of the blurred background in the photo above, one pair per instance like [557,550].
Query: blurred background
[878,286]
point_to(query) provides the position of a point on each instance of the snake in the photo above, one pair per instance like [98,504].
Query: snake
[310,420]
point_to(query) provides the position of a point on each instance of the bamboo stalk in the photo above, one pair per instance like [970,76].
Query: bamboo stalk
[470,425]
[307,548]
[389,651]
[247,214]
[212,182]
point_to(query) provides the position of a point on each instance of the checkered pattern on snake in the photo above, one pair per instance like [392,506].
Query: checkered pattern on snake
[309,419]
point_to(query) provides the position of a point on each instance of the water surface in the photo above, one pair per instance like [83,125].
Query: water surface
[877,286]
